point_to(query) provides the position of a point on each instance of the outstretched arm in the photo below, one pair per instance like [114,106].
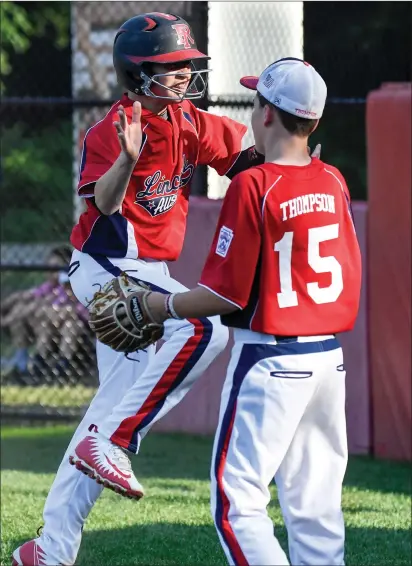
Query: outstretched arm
[247,158]
[197,303]
[251,158]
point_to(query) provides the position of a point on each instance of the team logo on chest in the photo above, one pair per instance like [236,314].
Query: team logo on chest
[161,194]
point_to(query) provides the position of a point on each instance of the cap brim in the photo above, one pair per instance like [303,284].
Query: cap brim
[174,57]
[249,82]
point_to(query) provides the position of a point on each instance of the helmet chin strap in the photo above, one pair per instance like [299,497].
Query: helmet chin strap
[176,95]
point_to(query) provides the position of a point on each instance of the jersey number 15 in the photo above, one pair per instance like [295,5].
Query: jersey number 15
[320,295]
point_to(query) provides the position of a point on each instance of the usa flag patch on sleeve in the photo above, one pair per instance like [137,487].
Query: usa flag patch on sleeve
[224,241]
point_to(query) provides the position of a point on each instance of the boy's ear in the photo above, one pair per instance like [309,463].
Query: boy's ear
[315,126]
[268,115]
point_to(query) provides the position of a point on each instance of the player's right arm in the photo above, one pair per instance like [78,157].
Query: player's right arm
[231,264]
[110,189]
[108,174]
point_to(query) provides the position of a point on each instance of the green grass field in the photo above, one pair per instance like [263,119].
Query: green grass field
[66,396]
[172,524]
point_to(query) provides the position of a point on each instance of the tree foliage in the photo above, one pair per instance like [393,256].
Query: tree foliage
[37,189]
[22,21]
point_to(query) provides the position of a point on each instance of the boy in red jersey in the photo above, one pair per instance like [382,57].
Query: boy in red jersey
[284,271]
[135,174]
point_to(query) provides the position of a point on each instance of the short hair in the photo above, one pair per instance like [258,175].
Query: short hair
[295,125]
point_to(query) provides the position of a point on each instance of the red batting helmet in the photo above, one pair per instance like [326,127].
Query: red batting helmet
[156,38]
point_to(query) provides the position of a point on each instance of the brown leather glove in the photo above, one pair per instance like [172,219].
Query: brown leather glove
[120,318]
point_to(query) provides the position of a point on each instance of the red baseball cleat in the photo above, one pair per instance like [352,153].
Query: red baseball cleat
[31,554]
[108,464]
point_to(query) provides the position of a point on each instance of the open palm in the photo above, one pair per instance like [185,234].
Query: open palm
[130,135]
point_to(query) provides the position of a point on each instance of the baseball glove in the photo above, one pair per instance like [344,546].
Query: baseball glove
[120,318]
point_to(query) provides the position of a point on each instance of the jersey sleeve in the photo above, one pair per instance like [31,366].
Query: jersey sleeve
[101,148]
[231,264]
[220,140]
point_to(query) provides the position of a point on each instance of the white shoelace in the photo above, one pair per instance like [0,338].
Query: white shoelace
[120,458]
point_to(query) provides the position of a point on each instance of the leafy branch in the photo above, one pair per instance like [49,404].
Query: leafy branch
[19,27]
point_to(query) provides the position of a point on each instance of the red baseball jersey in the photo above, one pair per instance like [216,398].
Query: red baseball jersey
[152,219]
[285,251]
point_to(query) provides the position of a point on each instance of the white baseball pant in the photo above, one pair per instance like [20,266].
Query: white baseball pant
[282,416]
[159,381]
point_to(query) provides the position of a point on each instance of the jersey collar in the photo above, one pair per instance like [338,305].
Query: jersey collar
[127,102]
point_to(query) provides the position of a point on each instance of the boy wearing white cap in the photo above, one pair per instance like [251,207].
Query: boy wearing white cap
[284,271]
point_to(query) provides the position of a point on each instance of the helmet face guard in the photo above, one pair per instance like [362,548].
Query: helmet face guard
[196,87]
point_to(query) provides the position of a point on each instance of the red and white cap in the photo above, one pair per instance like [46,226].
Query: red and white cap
[293,86]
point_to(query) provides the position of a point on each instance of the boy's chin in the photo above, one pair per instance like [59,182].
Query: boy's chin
[169,97]
[176,100]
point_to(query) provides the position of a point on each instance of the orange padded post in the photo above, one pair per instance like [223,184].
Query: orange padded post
[388,121]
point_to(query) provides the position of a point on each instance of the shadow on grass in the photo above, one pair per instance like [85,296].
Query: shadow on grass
[384,476]
[182,544]
[40,450]
[197,545]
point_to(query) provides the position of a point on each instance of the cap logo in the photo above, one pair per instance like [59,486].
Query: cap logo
[268,82]
[183,35]
[276,100]
[305,112]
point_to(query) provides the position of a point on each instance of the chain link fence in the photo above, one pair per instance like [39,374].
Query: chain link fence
[48,363]
[56,91]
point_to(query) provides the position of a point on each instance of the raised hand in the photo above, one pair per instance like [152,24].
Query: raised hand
[130,135]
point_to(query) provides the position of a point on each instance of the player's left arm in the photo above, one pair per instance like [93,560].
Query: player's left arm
[197,303]
[246,159]
[228,274]
[250,157]
[220,144]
